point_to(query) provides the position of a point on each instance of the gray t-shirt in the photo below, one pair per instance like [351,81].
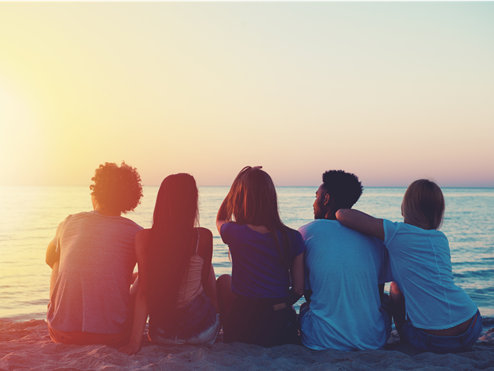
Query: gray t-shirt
[97,258]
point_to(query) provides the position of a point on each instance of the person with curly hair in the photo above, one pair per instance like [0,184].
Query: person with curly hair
[92,258]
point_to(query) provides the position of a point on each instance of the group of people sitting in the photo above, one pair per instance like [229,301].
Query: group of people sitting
[339,262]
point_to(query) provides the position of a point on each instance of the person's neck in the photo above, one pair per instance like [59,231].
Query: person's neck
[258,228]
[330,215]
[107,212]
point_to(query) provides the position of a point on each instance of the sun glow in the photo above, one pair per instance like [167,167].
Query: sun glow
[207,88]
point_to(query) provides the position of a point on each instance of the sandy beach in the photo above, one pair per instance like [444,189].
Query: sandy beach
[27,346]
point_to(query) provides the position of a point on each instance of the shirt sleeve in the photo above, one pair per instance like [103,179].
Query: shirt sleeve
[227,232]
[58,235]
[390,229]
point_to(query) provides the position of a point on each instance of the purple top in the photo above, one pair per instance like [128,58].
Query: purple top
[257,267]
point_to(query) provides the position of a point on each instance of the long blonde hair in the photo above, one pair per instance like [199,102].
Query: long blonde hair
[423,204]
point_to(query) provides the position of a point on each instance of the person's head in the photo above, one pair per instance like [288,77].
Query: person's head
[423,204]
[339,190]
[116,189]
[176,203]
[252,199]
[171,242]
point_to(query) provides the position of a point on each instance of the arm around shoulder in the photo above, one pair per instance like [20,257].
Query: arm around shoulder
[361,222]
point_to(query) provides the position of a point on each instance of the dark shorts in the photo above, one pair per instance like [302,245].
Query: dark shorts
[266,322]
[196,324]
[422,341]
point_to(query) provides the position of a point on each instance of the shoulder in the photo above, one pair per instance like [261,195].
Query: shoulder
[205,237]
[129,223]
[392,228]
[78,216]
[233,228]
[318,226]
[305,229]
[204,232]
[142,237]
[298,244]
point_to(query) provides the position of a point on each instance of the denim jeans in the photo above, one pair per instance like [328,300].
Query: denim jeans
[196,324]
[423,341]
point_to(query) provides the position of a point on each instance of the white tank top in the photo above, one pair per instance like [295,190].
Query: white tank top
[191,284]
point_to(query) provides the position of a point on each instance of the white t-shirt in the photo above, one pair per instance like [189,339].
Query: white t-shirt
[97,257]
[421,266]
[343,269]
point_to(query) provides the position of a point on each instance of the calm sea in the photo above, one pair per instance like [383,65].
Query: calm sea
[29,217]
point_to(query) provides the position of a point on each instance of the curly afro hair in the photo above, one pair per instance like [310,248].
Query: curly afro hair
[344,187]
[117,189]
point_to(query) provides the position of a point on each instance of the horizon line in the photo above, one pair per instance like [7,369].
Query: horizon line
[229,185]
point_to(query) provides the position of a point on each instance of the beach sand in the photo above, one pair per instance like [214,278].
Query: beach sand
[27,345]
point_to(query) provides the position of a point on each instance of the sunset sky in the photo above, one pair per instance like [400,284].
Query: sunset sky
[391,91]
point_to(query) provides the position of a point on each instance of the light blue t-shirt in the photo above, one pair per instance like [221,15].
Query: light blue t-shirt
[421,266]
[343,269]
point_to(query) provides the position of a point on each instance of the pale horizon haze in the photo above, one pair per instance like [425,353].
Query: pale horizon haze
[391,91]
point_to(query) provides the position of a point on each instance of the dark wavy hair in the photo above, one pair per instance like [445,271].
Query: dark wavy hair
[344,188]
[117,188]
[252,200]
[423,204]
[171,243]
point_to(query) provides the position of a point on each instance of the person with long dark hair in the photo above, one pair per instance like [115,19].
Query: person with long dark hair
[267,264]
[176,285]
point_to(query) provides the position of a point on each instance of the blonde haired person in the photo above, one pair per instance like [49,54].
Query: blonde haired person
[431,313]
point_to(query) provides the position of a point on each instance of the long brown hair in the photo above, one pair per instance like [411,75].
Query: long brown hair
[423,204]
[252,200]
[171,241]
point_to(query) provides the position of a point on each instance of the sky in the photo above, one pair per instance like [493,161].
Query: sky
[391,91]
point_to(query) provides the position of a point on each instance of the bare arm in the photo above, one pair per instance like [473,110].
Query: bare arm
[361,222]
[298,280]
[52,256]
[205,251]
[221,216]
[140,305]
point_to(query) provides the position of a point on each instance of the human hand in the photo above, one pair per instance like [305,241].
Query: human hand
[256,167]
[130,349]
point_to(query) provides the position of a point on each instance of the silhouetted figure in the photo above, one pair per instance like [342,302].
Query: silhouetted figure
[176,284]
[256,301]
[343,270]
[92,256]
[430,311]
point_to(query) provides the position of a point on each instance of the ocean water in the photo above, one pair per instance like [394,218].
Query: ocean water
[29,217]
